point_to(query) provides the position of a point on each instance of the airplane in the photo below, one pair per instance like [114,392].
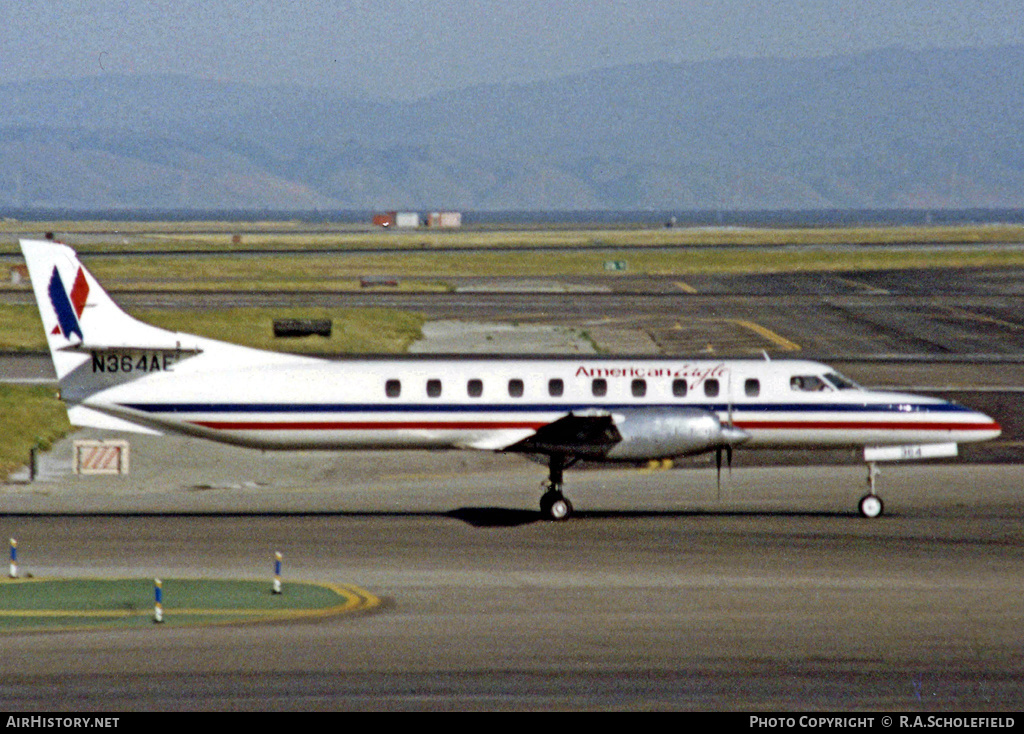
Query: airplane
[120,374]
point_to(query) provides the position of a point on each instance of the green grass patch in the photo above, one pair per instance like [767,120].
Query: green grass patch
[77,603]
[21,329]
[30,416]
[353,331]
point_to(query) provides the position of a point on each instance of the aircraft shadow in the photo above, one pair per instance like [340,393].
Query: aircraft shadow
[479,517]
[485,517]
[495,517]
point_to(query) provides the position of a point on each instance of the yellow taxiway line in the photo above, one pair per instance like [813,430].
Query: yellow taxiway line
[780,341]
[355,599]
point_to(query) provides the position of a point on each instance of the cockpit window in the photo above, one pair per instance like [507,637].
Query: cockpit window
[808,383]
[841,382]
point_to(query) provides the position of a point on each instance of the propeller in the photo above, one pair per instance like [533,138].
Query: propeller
[718,465]
[731,435]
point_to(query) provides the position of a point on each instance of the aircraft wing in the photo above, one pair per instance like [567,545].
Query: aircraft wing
[572,435]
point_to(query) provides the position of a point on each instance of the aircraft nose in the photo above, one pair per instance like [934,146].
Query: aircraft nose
[996,430]
[982,426]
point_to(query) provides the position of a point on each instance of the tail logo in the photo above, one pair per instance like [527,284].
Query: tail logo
[68,307]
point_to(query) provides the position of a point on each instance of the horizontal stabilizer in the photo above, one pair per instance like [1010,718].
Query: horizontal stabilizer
[121,348]
[84,417]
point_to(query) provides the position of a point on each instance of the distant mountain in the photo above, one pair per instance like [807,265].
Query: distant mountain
[885,129]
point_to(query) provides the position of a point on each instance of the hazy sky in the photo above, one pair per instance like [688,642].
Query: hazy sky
[408,48]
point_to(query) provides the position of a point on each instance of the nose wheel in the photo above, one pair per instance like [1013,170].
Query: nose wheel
[871,504]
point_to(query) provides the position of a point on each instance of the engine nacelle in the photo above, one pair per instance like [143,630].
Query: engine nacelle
[666,432]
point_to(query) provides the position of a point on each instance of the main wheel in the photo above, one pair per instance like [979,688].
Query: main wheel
[553,506]
[870,505]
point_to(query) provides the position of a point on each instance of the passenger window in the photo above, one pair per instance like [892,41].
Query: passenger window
[515,388]
[639,388]
[599,388]
[752,388]
[679,388]
[711,388]
[475,388]
[393,388]
[433,388]
[556,388]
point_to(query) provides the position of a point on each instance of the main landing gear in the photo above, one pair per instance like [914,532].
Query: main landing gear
[871,505]
[553,504]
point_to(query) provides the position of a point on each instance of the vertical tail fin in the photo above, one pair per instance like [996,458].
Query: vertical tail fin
[95,345]
[77,314]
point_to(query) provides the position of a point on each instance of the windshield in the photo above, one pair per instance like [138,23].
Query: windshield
[843,383]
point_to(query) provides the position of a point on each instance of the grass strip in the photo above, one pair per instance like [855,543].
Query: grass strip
[62,603]
[30,416]
[354,331]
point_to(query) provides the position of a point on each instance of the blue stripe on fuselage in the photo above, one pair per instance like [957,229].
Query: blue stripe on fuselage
[402,407]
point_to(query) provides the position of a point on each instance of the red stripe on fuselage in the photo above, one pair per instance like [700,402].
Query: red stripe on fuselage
[364,426]
[864,426]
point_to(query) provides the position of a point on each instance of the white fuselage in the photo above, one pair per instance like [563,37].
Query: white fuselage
[493,403]
[117,373]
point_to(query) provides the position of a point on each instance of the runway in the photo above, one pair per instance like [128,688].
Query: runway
[658,595]
[664,592]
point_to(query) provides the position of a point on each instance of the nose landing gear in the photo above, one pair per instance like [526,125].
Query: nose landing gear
[871,504]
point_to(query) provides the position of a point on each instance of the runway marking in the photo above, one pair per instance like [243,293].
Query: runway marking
[686,287]
[864,286]
[699,329]
[951,388]
[780,341]
[971,316]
